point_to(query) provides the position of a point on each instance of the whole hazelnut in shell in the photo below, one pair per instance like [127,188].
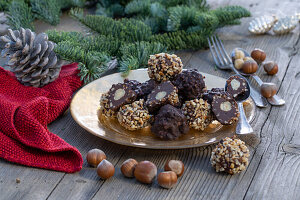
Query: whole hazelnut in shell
[128,167]
[105,169]
[145,172]
[95,156]
[268,89]
[176,166]
[249,67]
[258,55]
[167,179]
[238,63]
[271,68]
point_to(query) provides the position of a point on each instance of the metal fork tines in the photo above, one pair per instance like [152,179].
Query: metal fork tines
[223,61]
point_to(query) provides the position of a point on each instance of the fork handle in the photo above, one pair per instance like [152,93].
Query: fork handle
[258,99]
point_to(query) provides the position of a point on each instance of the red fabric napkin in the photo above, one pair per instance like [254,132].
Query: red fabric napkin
[24,115]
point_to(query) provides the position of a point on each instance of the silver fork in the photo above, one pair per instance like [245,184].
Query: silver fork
[223,61]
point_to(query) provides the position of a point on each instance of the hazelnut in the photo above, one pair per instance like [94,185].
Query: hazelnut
[145,172]
[249,67]
[167,179]
[248,58]
[238,63]
[239,54]
[105,169]
[271,68]
[268,89]
[95,156]
[176,166]
[258,55]
[128,167]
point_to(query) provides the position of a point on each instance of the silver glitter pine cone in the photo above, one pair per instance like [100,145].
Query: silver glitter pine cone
[30,57]
[261,25]
[285,25]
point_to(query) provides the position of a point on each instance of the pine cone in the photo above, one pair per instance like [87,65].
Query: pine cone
[30,57]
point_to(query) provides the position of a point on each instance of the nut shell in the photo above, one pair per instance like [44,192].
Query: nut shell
[128,167]
[258,55]
[176,166]
[105,169]
[167,179]
[249,67]
[145,172]
[271,68]
[268,89]
[95,156]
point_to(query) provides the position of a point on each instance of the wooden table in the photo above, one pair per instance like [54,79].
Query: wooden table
[274,169]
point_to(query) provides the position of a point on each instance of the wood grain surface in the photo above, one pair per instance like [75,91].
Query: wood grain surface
[274,169]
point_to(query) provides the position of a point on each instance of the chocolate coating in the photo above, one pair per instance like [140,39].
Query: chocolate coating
[119,95]
[147,87]
[225,109]
[170,123]
[164,93]
[209,94]
[236,86]
[190,84]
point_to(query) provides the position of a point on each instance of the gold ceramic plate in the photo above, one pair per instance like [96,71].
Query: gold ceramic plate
[85,109]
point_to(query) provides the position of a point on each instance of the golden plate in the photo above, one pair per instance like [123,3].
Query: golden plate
[85,107]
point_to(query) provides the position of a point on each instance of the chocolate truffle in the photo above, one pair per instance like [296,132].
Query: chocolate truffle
[134,116]
[170,123]
[230,155]
[236,86]
[225,109]
[118,95]
[209,94]
[190,84]
[163,66]
[134,85]
[164,93]
[198,113]
[147,87]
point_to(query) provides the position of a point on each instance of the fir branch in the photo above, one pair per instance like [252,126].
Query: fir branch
[228,14]
[136,55]
[59,36]
[47,10]
[20,15]
[138,7]
[92,64]
[4,5]
[182,40]
[128,30]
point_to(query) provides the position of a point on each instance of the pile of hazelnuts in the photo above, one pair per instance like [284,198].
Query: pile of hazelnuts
[144,171]
[249,65]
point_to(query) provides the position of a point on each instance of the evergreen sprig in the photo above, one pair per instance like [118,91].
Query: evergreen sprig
[47,10]
[20,15]
[136,55]
[91,63]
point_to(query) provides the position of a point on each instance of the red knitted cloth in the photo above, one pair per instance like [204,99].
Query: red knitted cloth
[24,115]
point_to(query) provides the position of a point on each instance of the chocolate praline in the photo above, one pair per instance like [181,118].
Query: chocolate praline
[162,94]
[170,123]
[190,84]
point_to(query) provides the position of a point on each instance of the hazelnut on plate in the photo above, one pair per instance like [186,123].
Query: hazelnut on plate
[271,68]
[145,172]
[167,179]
